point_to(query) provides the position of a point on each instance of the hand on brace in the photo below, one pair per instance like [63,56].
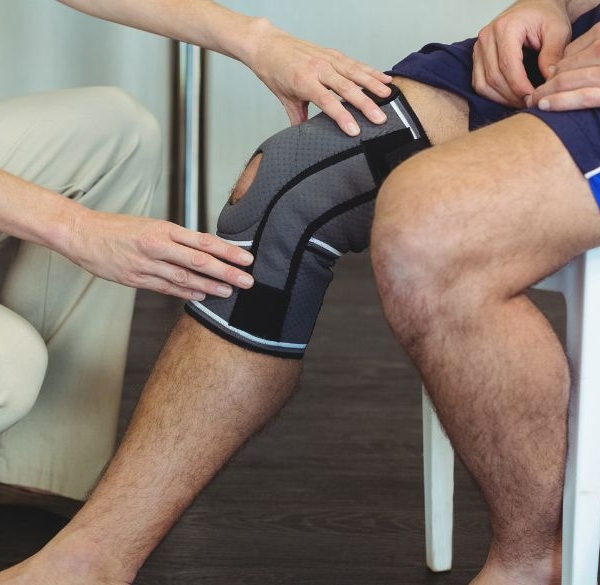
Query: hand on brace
[299,72]
[155,254]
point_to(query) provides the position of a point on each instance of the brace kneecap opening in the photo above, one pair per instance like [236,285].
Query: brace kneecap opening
[310,202]
[246,179]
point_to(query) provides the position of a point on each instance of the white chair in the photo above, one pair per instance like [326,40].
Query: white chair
[579,282]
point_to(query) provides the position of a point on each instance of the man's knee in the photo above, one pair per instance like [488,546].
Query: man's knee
[417,260]
[23,361]
[297,221]
[426,248]
[305,199]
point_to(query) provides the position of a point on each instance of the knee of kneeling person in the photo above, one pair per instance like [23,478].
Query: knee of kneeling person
[138,124]
[112,112]
[118,116]
[23,362]
[137,136]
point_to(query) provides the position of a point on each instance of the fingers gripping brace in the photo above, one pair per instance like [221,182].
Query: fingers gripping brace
[311,201]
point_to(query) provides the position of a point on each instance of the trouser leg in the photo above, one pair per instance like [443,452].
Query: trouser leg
[100,148]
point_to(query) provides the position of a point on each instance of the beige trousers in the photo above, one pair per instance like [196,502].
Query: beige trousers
[100,148]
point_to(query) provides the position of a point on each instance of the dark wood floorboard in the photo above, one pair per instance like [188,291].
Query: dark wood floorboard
[329,493]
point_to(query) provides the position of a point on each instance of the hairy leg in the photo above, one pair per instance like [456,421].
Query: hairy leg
[203,400]
[460,232]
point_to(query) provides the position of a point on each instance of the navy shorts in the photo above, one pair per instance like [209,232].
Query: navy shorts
[449,67]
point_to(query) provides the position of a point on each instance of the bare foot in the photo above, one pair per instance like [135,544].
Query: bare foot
[545,571]
[61,563]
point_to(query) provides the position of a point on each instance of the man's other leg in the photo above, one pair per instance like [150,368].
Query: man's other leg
[460,232]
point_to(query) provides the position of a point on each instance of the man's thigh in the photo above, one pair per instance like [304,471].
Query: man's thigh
[516,198]
[507,203]
[443,115]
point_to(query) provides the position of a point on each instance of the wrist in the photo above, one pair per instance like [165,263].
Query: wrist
[259,29]
[65,220]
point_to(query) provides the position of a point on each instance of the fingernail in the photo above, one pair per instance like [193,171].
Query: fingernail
[198,296]
[544,104]
[247,258]
[551,69]
[224,291]
[352,129]
[245,280]
[528,100]
[378,116]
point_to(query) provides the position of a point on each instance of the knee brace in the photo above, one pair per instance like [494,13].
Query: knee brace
[311,201]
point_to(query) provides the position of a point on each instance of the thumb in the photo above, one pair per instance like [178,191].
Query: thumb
[552,51]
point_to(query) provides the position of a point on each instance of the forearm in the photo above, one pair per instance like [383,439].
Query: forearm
[296,71]
[201,22]
[33,213]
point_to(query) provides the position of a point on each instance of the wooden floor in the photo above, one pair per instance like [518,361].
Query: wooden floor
[331,492]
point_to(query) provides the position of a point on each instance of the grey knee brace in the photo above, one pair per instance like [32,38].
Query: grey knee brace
[312,200]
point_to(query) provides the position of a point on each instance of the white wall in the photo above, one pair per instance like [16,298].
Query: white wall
[241,112]
[46,45]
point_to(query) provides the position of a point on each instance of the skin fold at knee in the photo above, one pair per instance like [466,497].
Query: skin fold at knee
[246,179]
